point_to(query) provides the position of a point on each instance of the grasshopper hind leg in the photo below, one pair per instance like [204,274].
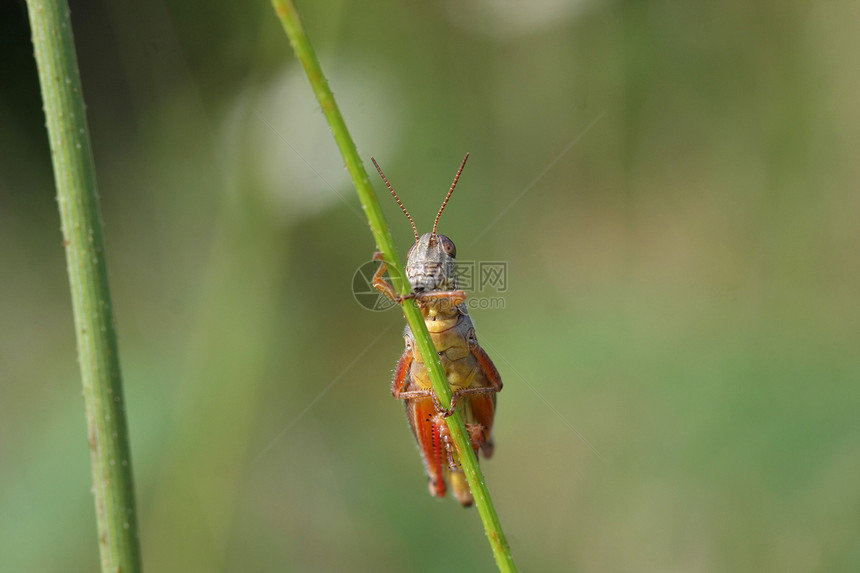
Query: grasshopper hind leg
[453,471]
[421,414]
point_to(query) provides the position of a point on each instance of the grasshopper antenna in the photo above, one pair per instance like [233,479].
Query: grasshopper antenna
[448,196]
[396,198]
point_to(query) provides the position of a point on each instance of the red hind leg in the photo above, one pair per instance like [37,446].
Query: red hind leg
[421,414]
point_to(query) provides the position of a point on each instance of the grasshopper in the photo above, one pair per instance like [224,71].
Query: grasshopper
[431,269]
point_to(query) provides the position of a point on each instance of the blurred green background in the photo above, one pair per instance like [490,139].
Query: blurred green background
[674,187]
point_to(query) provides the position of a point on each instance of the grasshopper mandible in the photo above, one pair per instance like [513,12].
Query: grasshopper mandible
[431,269]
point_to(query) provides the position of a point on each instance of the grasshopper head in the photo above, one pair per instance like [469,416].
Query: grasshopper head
[431,264]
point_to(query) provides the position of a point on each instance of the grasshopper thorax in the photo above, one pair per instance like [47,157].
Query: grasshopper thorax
[431,264]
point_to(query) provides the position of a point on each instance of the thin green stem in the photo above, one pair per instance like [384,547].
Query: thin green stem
[98,355]
[385,243]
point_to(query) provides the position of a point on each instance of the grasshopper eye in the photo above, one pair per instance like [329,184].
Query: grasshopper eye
[448,245]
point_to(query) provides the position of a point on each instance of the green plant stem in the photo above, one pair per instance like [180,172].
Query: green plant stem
[385,243]
[98,355]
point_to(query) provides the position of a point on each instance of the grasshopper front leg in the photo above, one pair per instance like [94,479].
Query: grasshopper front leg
[379,282]
[456,297]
